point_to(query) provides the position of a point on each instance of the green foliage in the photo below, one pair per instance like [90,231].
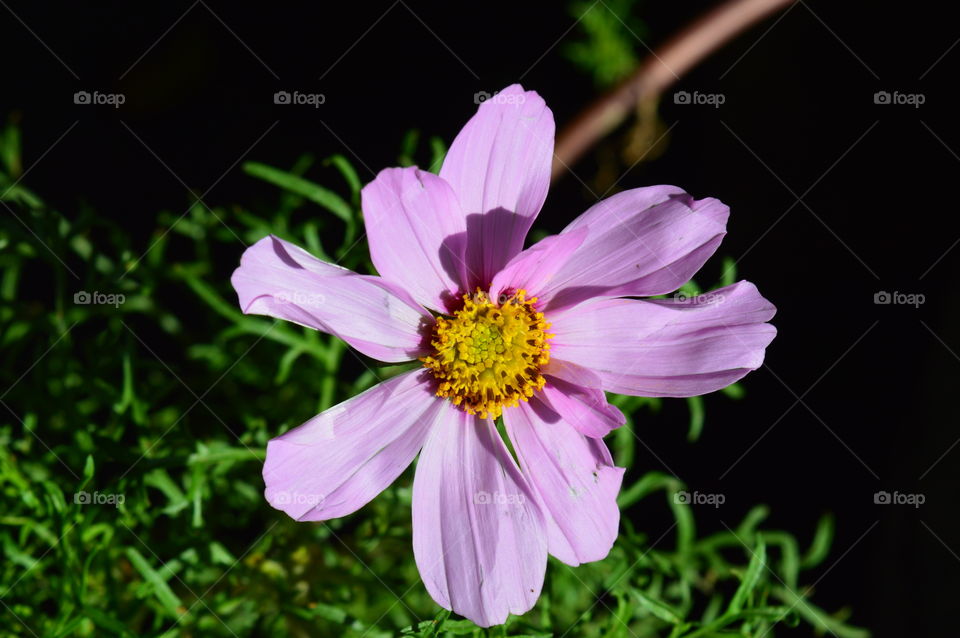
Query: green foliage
[611,38]
[132,437]
[408,149]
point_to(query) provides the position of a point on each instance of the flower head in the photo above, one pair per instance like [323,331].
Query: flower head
[535,336]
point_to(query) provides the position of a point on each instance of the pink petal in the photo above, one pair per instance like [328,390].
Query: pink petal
[663,347]
[533,269]
[574,478]
[278,279]
[575,374]
[417,234]
[336,462]
[499,166]
[586,409]
[478,534]
[641,242]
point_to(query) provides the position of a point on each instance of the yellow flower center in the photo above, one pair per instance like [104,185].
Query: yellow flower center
[488,355]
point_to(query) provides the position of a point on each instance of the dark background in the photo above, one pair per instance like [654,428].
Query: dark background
[856,397]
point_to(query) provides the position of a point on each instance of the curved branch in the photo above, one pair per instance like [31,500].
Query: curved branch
[657,73]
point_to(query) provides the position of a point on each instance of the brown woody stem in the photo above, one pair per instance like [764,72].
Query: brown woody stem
[658,72]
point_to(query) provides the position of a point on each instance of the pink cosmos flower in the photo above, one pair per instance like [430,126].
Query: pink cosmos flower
[534,335]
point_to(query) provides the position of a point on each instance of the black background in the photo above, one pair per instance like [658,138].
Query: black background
[876,383]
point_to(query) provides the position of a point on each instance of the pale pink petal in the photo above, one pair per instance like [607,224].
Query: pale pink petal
[574,478]
[641,242]
[338,461]
[499,167]
[533,269]
[277,279]
[584,408]
[576,374]
[417,234]
[661,347]
[478,534]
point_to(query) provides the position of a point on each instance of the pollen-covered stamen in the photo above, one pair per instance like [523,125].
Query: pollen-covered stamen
[488,355]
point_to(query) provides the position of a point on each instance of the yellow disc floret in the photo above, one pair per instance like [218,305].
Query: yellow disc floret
[488,355]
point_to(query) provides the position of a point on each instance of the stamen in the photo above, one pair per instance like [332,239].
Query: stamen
[489,356]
